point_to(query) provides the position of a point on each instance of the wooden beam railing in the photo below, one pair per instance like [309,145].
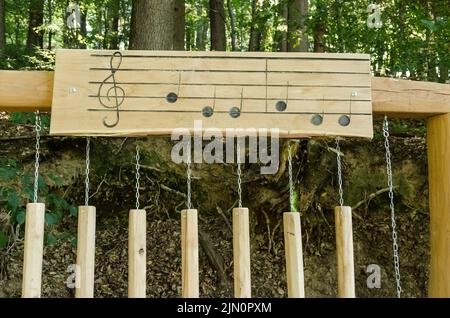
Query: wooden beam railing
[22,91]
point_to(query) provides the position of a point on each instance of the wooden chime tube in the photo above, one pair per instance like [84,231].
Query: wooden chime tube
[33,250]
[241,253]
[84,280]
[189,254]
[137,255]
[344,251]
[294,254]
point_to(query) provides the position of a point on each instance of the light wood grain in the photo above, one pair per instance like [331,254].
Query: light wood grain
[23,91]
[438,137]
[32,90]
[33,250]
[84,280]
[189,254]
[241,253]
[310,84]
[137,255]
[409,99]
[294,254]
[344,252]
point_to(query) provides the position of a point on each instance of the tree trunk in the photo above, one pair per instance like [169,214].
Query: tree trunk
[284,35]
[298,38]
[152,25]
[36,19]
[201,31]
[232,25]
[320,27]
[217,21]
[50,19]
[255,34]
[179,22]
[2,26]
[114,33]
[83,28]
[106,35]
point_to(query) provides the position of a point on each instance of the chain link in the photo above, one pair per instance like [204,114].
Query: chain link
[138,176]
[188,180]
[87,166]
[239,175]
[291,184]
[339,172]
[38,129]
[391,204]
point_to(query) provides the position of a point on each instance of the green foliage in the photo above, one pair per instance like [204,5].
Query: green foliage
[3,239]
[295,202]
[43,60]
[16,189]
[29,118]
[412,42]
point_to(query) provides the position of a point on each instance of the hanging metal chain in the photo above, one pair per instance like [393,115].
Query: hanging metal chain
[188,180]
[38,129]
[391,204]
[239,176]
[291,184]
[87,166]
[138,176]
[339,172]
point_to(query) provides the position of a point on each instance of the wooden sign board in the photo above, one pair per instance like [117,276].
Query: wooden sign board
[132,93]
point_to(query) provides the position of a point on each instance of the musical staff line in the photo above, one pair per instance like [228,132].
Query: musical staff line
[221,71]
[111,93]
[238,57]
[239,98]
[236,85]
[223,112]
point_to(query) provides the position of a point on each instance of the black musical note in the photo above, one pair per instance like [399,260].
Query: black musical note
[282,105]
[344,120]
[235,112]
[173,97]
[317,119]
[208,111]
[115,94]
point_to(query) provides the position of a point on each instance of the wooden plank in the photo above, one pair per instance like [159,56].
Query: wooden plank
[85,252]
[137,255]
[189,254]
[32,90]
[409,99]
[241,253]
[85,82]
[248,64]
[33,250]
[23,91]
[245,55]
[192,78]
[294,254]
[438,136]
[206,92]
[344,252]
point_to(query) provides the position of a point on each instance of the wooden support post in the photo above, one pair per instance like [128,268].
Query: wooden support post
[439,198]
[137,256]
[344,251]
[189,254]
[33,250]
[294,254]
[241,253]
[85,252]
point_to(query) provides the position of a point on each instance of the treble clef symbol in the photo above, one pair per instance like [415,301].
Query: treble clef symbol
[115,94]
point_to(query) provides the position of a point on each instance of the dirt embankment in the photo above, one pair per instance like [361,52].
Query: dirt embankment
[163,191]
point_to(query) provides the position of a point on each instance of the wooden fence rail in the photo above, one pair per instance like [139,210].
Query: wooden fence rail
[32,90]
